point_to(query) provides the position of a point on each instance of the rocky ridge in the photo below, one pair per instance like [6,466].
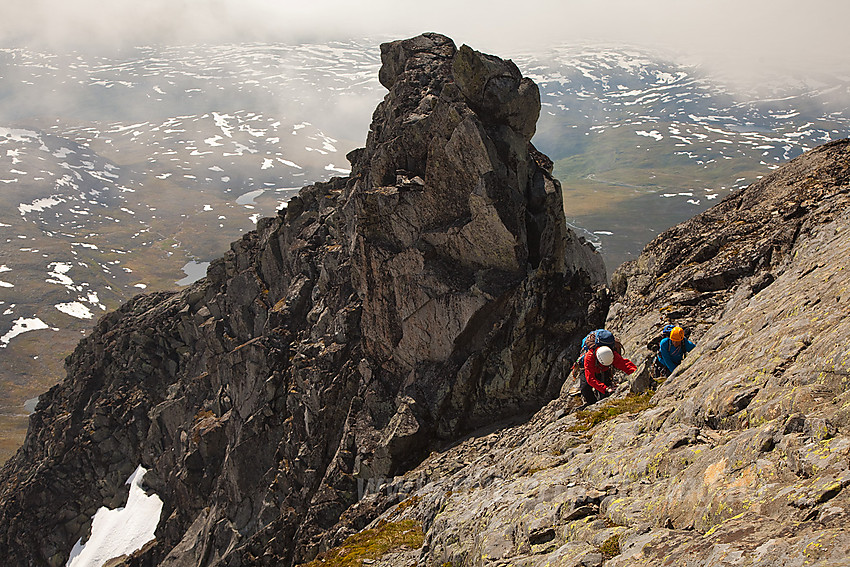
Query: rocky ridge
[741,457]
[378,317]
[280,405]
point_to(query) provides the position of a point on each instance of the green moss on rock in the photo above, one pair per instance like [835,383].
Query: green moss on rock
[373,544]
[611,547]
[589,418]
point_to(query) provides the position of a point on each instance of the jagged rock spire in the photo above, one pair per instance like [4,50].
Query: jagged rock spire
[378,317]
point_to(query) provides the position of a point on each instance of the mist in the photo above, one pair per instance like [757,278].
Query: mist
[733,37]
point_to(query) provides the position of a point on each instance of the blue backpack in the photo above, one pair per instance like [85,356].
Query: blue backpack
[597,338]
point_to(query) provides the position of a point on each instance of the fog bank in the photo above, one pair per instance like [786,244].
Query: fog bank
[734,36]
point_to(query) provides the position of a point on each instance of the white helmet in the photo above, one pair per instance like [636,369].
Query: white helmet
[605,355]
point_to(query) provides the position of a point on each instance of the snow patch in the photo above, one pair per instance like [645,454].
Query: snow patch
[221,122]
[20,326]
[75,309]
[289,163]
[95,300]
[121,531]
[39,205]
[58,271]
[18,135]
[655,134]
[332,167]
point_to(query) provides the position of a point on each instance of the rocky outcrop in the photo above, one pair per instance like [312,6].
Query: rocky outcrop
[741,457]
[690,273]
[322,387]
[378,317]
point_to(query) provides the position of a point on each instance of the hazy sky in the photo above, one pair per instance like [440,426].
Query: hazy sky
[744,34]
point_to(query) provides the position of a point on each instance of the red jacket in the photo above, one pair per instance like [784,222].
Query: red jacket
[592,367]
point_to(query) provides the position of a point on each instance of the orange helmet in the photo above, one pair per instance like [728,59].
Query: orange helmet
[677,334]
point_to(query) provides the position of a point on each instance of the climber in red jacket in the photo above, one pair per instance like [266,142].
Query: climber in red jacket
[598,379]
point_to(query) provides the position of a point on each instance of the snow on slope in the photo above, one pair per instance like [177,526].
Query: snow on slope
[605,88]
[120,531]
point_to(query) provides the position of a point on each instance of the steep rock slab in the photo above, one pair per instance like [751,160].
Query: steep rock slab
[689,273]
[377,317]
[766,391]
[742,458]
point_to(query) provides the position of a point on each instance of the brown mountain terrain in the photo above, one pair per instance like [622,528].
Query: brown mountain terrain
[324,389]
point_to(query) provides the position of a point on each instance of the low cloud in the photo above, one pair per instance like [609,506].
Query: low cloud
[736,36]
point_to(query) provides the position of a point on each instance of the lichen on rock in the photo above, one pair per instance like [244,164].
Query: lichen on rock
[741,456]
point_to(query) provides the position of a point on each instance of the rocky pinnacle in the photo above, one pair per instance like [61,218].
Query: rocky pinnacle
[378,317]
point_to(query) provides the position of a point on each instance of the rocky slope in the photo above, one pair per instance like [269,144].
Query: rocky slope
[115,187]
[378,317]
[316,392]
[692,272]
[741,457]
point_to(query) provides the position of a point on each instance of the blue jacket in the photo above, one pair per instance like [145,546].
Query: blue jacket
[670,355]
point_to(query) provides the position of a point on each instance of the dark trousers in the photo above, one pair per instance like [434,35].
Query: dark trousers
[589,394]
[661,371]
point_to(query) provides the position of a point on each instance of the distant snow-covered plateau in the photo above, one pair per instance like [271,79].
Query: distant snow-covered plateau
[129,173]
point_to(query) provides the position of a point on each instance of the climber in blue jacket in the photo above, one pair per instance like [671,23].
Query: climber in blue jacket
[673,349]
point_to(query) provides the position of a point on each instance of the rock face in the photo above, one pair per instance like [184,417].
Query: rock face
[741,457]
[323,376]
[378,317]
[690,273]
